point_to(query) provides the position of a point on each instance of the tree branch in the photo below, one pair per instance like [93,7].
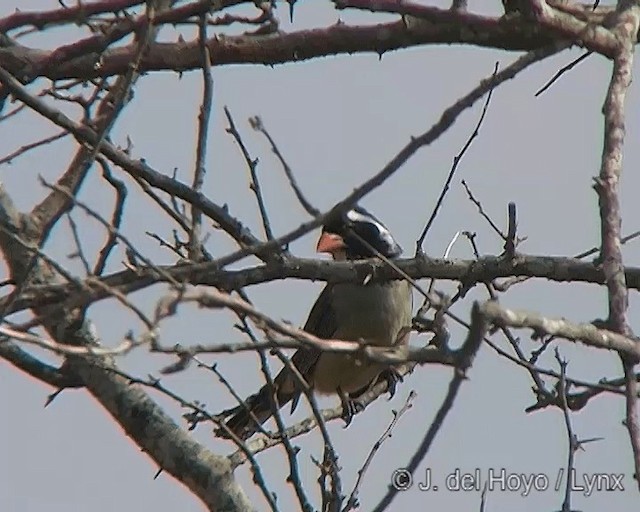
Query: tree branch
[468,272]
[588,334]
[607,187]
[339,39]
[32,366]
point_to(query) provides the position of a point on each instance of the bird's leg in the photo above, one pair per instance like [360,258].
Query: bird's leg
[392,376]
[350,407]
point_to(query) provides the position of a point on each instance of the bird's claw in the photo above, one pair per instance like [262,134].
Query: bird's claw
[392,376]
[350,407]
[349,410]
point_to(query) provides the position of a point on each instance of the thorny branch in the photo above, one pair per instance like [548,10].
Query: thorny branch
[91,57]
[607,187]
[469,272]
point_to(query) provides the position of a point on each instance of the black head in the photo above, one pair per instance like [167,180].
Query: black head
[353,232]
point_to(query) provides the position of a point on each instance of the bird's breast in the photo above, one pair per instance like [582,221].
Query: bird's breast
[374,312]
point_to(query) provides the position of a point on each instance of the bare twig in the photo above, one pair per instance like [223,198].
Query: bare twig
[511,242]
[572,438]
[243,448]
[28,147]
[472,198]
[75,14]
[216,299]
[540,388]
[11,113]
[112,230]
[252,164]
[195,251]
[483,496]
[260,444]
[456,162]
[116,217]
[292,453]
[595,250]
[352,502]
[79,253]
[562,71]
[471,345]
[258,125]
[64,349]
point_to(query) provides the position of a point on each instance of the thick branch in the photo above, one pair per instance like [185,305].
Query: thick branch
[607,186]
[32,366]
[468,272]
[588,334]
[340,39]
[67,14]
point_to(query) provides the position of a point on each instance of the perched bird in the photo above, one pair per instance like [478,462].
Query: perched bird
[379,313]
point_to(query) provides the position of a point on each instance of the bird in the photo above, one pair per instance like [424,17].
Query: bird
[378,312]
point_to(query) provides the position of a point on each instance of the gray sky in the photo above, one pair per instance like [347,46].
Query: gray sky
[339,120]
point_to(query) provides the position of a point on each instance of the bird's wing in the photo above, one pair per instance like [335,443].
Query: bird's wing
[258,407]
[322,324]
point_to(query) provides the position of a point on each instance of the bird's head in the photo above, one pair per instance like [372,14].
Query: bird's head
[351,235]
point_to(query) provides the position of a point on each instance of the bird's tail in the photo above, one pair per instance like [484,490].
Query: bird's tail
[245,419]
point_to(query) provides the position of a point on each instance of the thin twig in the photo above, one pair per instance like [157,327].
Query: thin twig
[195,252]
[122,348]
[562,71]
[11,113]
[456,161]
[258,125]
[509,282]
[573,440]
[176,249]
[472,344]
[116,217]
[292,453]
[260,444]
[540,388]
[169,210]
[482,212]
[51,208]
[243,448]
[79,253]
[595,250]
[27,147]
[511,242]
[352,502]
[252,164]
[112,230]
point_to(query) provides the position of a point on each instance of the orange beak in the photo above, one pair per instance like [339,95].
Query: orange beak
[330,243]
